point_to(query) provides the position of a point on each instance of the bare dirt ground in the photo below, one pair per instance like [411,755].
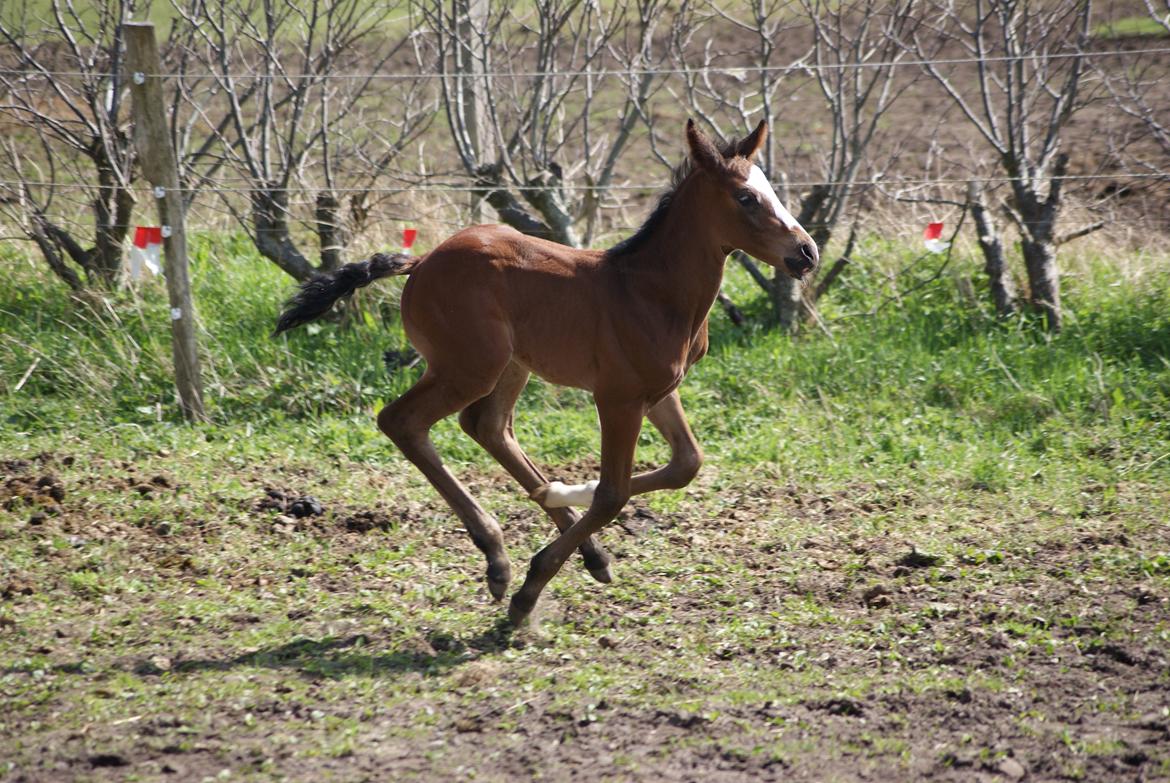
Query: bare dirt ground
[166,621]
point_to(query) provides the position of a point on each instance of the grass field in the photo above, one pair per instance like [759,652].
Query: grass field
[926,546]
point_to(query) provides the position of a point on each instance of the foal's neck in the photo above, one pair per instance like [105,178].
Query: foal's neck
[682,261]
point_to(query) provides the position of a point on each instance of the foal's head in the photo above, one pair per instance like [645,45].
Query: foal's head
[746,210]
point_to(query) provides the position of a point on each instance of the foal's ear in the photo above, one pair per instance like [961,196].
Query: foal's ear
[753,142]
[703,151]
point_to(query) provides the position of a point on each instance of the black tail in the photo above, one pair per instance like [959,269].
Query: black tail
[317,294]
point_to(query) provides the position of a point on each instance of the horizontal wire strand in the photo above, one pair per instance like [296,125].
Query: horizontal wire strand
[602,72]
[443,188]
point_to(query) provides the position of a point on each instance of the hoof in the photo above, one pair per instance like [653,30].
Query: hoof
[519,610]
[597,562]
[498,577]
[601,574]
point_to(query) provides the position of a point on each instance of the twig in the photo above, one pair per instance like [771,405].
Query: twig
[1006,371]
[733,312]
[1080,232]
[27,373]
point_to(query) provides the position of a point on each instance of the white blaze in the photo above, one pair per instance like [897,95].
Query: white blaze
[561,495]
[758,182]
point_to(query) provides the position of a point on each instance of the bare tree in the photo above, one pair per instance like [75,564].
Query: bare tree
[64,104]
[535,138]
[1134,91]
[285,78]
[1026,86]
[852,62]
[990,238]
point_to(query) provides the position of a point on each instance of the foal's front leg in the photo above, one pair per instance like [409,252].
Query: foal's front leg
[621,422]
[686,457]
[489,422]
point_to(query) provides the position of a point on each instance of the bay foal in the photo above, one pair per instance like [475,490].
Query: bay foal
[489,306]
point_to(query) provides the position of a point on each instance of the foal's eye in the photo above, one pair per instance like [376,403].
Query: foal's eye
[747,199]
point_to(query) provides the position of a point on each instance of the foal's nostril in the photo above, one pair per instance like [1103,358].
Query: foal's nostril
[798,267]
[809,251]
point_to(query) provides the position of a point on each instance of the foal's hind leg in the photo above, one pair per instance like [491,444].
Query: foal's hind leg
[686,457]
[407,421]
[489,422]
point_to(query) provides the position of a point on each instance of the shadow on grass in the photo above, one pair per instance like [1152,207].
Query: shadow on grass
[342,657]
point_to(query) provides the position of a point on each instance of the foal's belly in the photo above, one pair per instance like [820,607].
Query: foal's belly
[557,364]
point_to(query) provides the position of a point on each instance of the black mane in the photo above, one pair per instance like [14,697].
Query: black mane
[640,237]
[634,243]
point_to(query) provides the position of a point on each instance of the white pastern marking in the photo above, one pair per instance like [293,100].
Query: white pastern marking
[562,495]
[758,182]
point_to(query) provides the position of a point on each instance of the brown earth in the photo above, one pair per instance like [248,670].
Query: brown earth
[868,659]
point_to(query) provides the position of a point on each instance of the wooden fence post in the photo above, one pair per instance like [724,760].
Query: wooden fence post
[152,139]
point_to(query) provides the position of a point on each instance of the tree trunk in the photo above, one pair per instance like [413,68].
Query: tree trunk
[1043,280]
[331,234]
[1003,294]
[786,296]
[786,293]
[273,240]
[545,195]
[42,234]
[112,208]
[471,60]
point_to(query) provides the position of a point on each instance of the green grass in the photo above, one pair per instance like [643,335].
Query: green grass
[764,621]
[1129,27]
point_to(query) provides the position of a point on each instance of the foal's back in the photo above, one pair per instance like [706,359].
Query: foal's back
[489,295]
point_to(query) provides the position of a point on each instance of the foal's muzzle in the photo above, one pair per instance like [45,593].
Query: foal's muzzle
[799,267]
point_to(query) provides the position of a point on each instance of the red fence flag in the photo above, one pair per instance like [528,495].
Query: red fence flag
[933,238]
[408,235]
[144,253]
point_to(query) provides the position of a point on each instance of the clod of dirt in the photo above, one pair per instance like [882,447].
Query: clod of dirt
[877,597]
[273,500]
[637,521]
[477,674]
[841,706]
[367,520]
[15,466]
[1011,769]
[38,518]
[145,489]
[284,524]
[1135,758]
[51,485]
[962,696]
[15,587]
[683,720]
[161,481]
[307,506]
[107,760]
[608,642]
[444,642]
[1144,596]
[467,725]
[1118,653]
[916,559]
[46,491]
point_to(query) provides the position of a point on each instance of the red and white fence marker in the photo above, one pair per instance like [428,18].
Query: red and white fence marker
[408,235]
[146,251]
[933,238]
